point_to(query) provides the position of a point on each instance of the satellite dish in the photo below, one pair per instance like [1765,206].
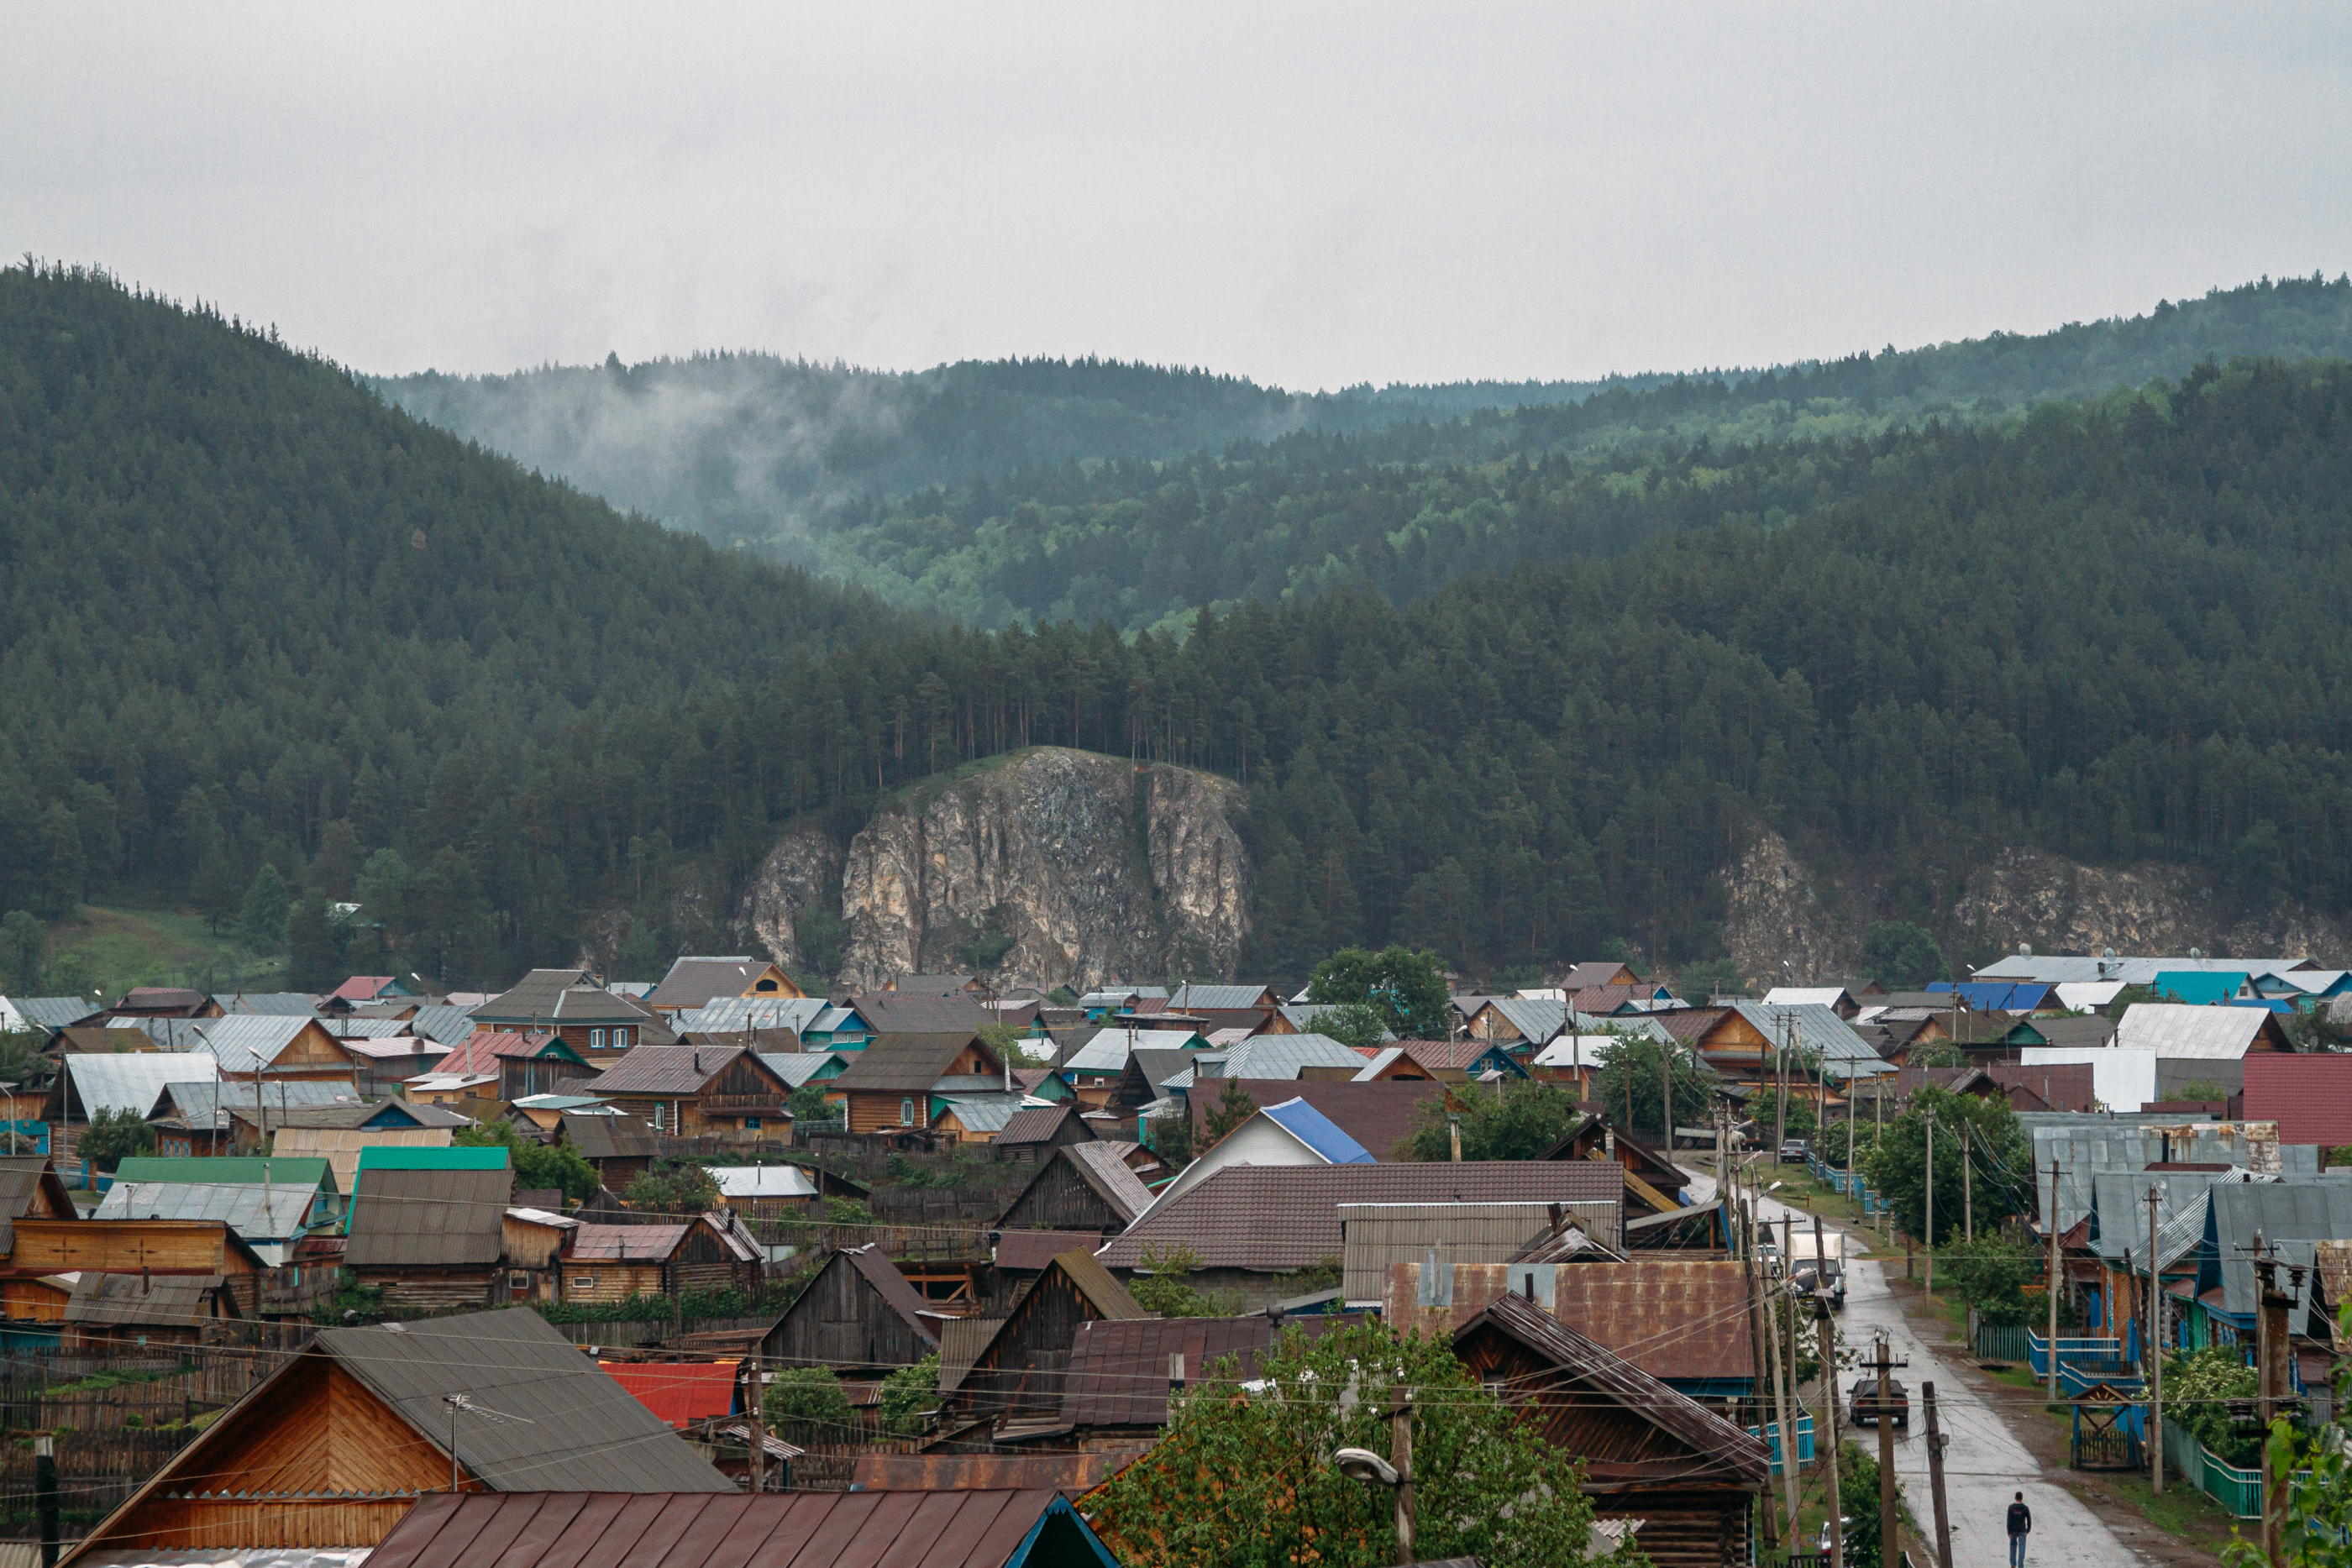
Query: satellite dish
[2025,949]
[2196,953]
[2108,953]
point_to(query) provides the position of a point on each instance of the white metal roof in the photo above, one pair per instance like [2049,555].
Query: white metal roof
[2178,1029]
[1804,996]
[132,1080]
[2087,996]
[2134,971]
[763,1181]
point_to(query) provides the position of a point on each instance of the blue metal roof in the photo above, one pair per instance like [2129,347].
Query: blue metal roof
[1319,1133]
[2001,997]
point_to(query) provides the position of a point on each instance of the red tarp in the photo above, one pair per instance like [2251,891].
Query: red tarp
[679,1391]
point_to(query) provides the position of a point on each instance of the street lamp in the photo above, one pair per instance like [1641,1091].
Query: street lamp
[1395,1472]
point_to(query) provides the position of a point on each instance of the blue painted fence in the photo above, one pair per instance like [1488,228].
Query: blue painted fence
[1771,1433]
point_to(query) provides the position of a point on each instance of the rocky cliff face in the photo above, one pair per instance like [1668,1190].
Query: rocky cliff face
[1092,868]
[1781,910]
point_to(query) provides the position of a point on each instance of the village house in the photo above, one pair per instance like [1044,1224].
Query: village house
[1374,1236]
[617,1262]
[686,1091]
[269,1048]
[29,1190]
[339,1133]
[888,1087]
[425,1226]
[164,1002]
[204,1252]
[1647,1452]
[899,1012]
[692,982]
[521,1064]
[1019,1376]
[598,1025]
[1032,1136]
[201,1118]
[622,1148]
[354,1430]
[86,1087]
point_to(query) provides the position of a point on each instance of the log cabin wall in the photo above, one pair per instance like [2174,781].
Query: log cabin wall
[842,1322]
[434,1289]
[1022,1370]
[1062,1199]
[601,1280]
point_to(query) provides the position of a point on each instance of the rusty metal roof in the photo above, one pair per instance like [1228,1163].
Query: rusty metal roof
[1715,1444]
[775,1530]
[1681,1320]
[1274,1218]
[1380,1234]
[1118,1371]
[1032,1249]
[1036,1124]
[624,1243]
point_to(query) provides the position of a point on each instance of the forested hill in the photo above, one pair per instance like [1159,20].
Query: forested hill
[241,598]
[844,468]
[2114,631]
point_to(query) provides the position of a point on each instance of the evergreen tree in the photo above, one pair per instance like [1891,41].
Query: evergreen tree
[261,918]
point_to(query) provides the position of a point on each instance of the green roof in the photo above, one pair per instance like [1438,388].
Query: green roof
[487,1157]
[229,1171]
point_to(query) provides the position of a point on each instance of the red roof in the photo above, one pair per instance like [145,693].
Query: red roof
[2310,1097]
[679,1391]
[361,988]
[479,1052]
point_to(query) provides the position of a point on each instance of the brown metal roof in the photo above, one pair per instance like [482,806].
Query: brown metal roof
[1072,1475]
[1278,1218]
[1381,1116]
[893,1012]
[427,1218]
[624,1243]
[1716,1445]
[961,1342]
[1029,1250]
[1690,1023]
[610,1137]
[1037,1125]
[1672,1319]
[903,1063]
[684,1070]
[1095,1282]
[772,1530]
[1118,1370]
[128,1301]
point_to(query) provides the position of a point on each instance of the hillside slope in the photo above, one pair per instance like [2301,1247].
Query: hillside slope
[1136,493]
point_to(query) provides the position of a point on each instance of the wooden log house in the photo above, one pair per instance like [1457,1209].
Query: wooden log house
[859,1315]
[1019,1377]
[1083,1186]
[689,1090]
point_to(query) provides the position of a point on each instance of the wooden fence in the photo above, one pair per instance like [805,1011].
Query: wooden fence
[37,1399]
[96,1472]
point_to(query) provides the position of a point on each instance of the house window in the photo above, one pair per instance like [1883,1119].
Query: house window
[620,1039]
[660,1111]
[751,1123]
[583,1282]
[765,986]
[517,1279]
[595,1040]
[906,1112]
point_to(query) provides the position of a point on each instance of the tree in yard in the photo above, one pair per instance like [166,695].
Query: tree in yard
[113,1136]
[1245,1475]
[2315,1516]
[22,938]
[536,1165]
[261,918]
[1163,1285]
[1169,1136]
[1632,1063]
[909,1396]
[810,1109]
[1523,1124]
[1902,956]
[674,1189]
[1232,1108]
[1858,1494]
[1354,1024]
[2002,1157]
[1405,988]
[806,1394]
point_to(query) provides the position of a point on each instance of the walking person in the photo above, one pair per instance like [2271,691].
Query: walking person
[2020,1525]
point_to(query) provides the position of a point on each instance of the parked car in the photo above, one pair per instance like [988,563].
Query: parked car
[1795,1151]
[1863,1403]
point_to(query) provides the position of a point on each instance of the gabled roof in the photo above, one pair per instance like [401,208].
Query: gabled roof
[610,1137]
[1536,1019]
[1037,1125]
[1271,1056]
[1458,1055]
[246,1042]
[1843,1052]
[562,997]
[1319,1133]
[131,1083]
[1380,1116]
[1302,1016]
[134,1301]
[891,1285]
[1102,1165]
[692,982]
[799,1067]
[54,1013]
[1610,972]
[361,988]
[29,1183]
[1276,1217]
[893,1012]
[2092,1030]
[440,1021]
[595,1243]
[734,1015]
[1714,1445]
[206,1103]
[484,1049]
[291,1171]
[985,1113]
[1997,996]
[1222,998]
[1818,996]
[976,1529]
[1118,1370]
[2175,1029]
[1106,1051]
[2202,988]
[908,1063]
[257,1213]
[763,1181]
[683,1070]
[293,1004]
[427,1218]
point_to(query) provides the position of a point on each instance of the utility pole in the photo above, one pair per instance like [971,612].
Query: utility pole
[2049,1223]
[1666,1087]
[1400,1456]
[45,1496]
[1967,1188]
[759,1443]
[1889,1543]
[1756,1334]
[1822,1327]
[2270,1386]
[1931,1203]
[1781,1401]
[2154,1351]
[1936,1441]
[1788,1272]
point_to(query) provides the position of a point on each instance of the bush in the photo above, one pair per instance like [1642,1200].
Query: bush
[1165,1288]
[536,1165]
[113,1136]
[909,1396]
[806,1394]
[674,1189]
[847,1211]
[2198,1386]
[1989,1273]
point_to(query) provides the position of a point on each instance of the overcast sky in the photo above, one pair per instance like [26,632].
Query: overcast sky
[1311,197]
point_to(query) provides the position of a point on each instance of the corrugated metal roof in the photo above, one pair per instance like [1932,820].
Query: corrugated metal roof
[134,1301]
[426,1218]
[799,1067]
[763,1181]
[903,1063]
[257,1214]
[1107,1050]
[1721,1447]
[1275,1056]
[1377,1234]
[1030,1250]
[584,1430]
[102,1083]
[561,996]
[1278,1218]
[1301,1017]
[224,1169]
[1036,1124]
[397,1157]
[775,1530]
[54,1013]
[624,1243]
[1677,1320]
[1103,1167]
[1317,1132]
[961,1342]
[1843,1052]
[664,1070]
[207,1102]
[678,1393]
[1118,1368]
[437,1021]
[986,1112]
[2310,1097]
[1535,1019]
[2178,1030]
[2133,971]
[293,1004]
[733,1015]
[2119,1208]
[1219,998]
[1806,996]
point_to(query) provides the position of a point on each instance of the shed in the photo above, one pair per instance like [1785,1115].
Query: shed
[1083,1186]
[355,1428]
[622,1148]
[1033,1134]
[696,1090]
[857,1314]
[1021,1371]
[428,1238]
[615,1262]
[114,1310]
